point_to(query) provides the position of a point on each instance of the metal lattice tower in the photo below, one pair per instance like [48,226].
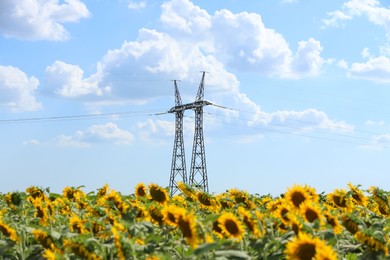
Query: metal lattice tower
[178,168]
[198,172]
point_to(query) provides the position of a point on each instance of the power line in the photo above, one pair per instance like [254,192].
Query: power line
[81,117]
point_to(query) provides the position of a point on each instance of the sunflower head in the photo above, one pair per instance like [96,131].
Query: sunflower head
[310,211]
[305,247]
[297,195]
[187,225]
[158,194]
[231,226]
[141,191]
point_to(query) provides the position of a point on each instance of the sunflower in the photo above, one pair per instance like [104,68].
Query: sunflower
[118,244]
[140,190]
[333,222]
[282,212]
[187,225]
[381,199]
[357,195]
[158,194]
[296,195]
[310,211]
[44,239]
[241,197]
[339,199]
[41,211]
[77,224]
[249,222]
[8,231]
[172,214]
[102,191]
[80,250]
[351,223]
[186,190]
[231,226]
[305,247]
[312,193]
[376,243]
[156,215]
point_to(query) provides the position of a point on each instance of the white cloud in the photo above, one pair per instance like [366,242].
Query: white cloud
[376,69]
[378,142]
[39,20]
[18,90]
[241,40]
[136,5]
[68,81]
[107,133]
[371,9]
[298,121]
[31,142]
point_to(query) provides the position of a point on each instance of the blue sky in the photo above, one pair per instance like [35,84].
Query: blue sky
[306,84]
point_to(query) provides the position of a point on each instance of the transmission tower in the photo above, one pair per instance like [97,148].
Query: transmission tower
[178,158]
[198,172]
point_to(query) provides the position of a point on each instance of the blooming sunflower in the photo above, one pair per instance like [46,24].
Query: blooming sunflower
[158,194]
[172,214]
[339,199]
[358,195]
[305,247]
[8,231]
[187,225]
[231,226]
[140,190]
[44,239]
[296,195]
[80,250]
[77,224]
[310,211]
[249,222]
[282,212]
[351,223]
[375,242]
[381,199]
[187,190]
[333,222]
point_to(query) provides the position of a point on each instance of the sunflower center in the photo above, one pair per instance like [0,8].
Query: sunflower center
[158,195]
[297,198]
[311,215]
[231,226]
[306,252]
[185,228]
[141,192]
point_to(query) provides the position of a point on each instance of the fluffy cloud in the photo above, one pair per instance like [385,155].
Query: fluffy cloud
[378,142]
[136,5]
[68,81]
[39,20]
[375,69]
[18,90]
[354,8]
[241,41]
[108,132]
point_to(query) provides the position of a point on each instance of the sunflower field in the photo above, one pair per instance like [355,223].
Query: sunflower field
[349,223]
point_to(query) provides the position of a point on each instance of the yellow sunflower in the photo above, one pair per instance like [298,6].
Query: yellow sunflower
[338,198]
[305,247]
[333,222]
[141,191]
[8,231]
[80,250]
[282,212]
[296,195]
[44,239]
[158,194]
[187,225]
[351,223]
[358,195]
[310,211]
[231,226]
[77,224]
[186,190]
[375,243]
[172,214]
[249,221]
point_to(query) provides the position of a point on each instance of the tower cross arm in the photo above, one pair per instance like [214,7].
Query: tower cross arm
[193,105]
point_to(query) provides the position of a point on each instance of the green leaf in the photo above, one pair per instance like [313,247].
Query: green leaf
[206,248]
[232,254]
